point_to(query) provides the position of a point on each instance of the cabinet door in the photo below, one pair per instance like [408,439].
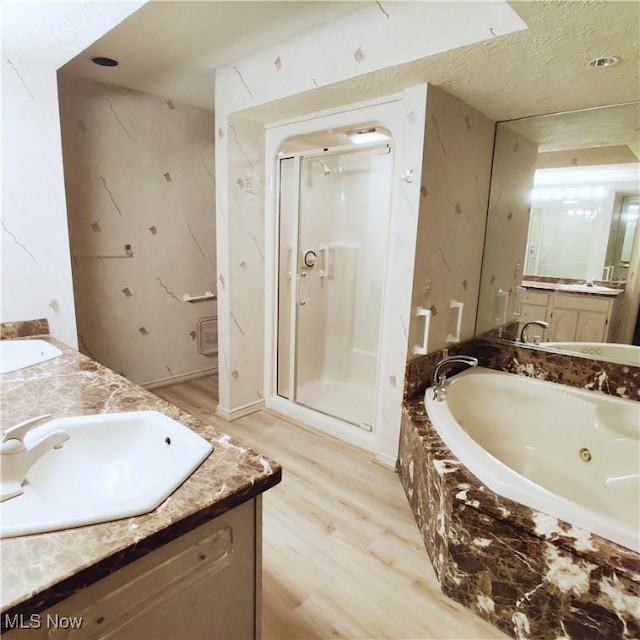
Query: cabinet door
[201,585]
[530,312]
[592,327]
[564,325]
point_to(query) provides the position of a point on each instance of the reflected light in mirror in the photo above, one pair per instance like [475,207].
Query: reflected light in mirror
[572,211]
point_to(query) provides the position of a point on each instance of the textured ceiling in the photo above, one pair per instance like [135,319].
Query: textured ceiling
[171,49]
[604,127]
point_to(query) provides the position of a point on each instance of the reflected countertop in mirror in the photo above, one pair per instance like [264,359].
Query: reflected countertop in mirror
[573,287]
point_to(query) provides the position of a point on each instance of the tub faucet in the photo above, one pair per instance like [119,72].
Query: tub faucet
[439,376]
[536,339]
[16,458]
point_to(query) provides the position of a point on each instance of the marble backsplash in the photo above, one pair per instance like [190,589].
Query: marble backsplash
[614,379]
[531,575]
[527,573]
[24,329]
[603,283]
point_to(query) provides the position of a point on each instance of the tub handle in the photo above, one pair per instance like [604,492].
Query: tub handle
[459,307]
[421,312]
[520,291]
[502,302]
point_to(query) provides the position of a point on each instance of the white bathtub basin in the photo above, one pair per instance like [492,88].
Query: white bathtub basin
[609,351]
[112,466]
[18,354]
[572,454]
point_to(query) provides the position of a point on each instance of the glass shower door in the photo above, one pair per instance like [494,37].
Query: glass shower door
[344,201]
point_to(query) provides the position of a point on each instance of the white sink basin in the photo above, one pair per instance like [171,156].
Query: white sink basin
[113,466]
[585,288]
[18,354]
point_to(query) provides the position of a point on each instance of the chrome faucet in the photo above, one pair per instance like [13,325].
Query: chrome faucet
[16,458]
[536,339]
[438,377]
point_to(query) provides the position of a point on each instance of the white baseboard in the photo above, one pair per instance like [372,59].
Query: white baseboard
[385,460]
[239,412]
[185,377]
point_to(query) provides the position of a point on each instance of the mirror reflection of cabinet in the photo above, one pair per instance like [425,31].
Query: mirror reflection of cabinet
[535,306]
[577,318]
[578,222]
[573,317]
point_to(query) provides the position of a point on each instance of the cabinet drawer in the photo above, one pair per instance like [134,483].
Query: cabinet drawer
[582,303]
[536,298]
[199,585]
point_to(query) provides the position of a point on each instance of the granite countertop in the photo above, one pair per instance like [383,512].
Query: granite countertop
[464,487]
[39,570]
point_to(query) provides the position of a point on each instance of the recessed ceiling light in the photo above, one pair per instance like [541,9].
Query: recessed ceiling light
[604,61]
[105,62]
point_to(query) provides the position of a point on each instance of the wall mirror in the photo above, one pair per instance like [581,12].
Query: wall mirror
[563,219]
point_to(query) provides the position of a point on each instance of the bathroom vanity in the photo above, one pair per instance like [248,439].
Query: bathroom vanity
[574,316]
[190,568]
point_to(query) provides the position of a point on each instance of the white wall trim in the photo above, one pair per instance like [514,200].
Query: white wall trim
[239,412]
[385,460]
[322,423]
[404,114]
[184,377]
[339,110]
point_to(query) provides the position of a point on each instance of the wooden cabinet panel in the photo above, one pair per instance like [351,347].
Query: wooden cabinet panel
[200,585]
[536,298]
[582,303]
[573,317]
[530,312]
[592,327]
[564,324]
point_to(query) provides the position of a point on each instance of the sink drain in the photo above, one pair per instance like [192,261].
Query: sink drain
[585,455]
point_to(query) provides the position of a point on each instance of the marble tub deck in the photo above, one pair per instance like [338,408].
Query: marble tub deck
[529,574]
[37,571]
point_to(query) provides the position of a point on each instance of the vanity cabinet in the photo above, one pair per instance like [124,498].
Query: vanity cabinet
[578,318]
[574,317]
[204,584]
[535,306]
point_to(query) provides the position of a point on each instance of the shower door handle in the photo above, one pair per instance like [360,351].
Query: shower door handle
[324,255]
[303,288]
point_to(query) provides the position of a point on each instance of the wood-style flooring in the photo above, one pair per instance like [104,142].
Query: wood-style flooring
[342,555]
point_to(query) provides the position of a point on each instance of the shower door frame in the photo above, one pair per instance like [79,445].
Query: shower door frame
[298,156]
[404,115]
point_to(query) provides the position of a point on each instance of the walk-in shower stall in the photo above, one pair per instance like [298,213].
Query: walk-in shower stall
[341,225]
[334,206]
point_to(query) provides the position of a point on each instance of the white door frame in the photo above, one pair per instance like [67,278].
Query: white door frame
[404,115]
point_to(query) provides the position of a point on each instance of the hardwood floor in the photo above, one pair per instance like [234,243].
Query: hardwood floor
[342,555]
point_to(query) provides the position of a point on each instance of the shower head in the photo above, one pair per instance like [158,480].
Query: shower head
[325,169]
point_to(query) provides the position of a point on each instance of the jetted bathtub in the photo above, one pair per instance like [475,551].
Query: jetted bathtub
[609,351]
[572,454]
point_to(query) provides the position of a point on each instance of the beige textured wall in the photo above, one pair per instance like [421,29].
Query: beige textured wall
[139,170]
[455,179]
[507,226]
[244,175]
[614,154]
